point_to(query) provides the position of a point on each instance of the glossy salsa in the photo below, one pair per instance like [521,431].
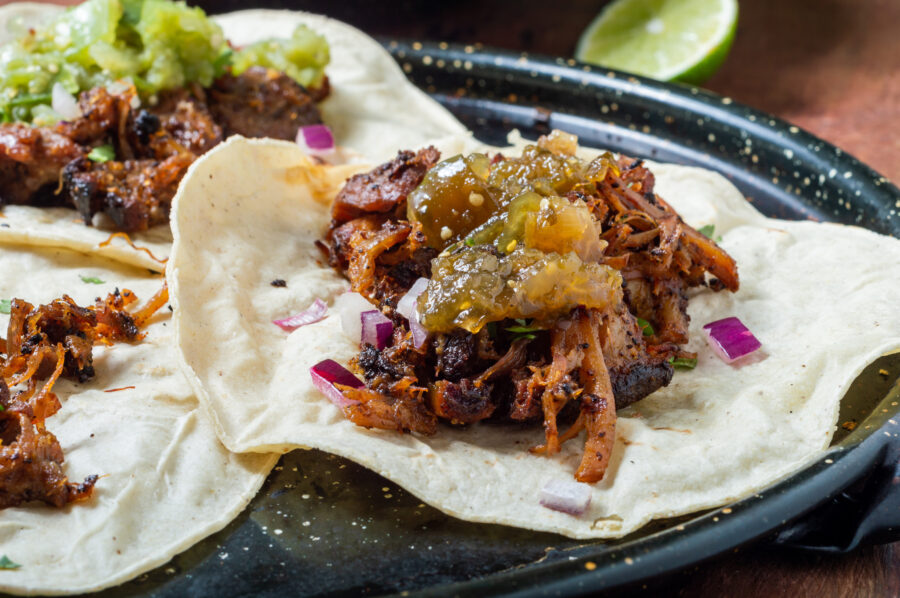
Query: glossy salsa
[154,44]
[518,238]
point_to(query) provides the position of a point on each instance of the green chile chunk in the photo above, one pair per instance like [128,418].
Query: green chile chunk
[156,44]
[473,286]
[302,57]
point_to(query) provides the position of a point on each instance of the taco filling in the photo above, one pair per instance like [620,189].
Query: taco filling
[158,87]
[520,289]
[52,341]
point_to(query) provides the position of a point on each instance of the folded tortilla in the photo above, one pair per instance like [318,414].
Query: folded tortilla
[820,297]
[373,110]
[166,482]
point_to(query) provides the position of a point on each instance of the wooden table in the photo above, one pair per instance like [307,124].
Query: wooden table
[830,66]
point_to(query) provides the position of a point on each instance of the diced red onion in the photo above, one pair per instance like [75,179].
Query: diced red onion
[566,496]
[316,140]
[351,307]
[408,308]
[64,103]
[326,374]
[730,339]
[376,329]
[313,313]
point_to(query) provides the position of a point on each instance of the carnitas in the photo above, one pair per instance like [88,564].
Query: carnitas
[44,343]
[125,160]
[556,291]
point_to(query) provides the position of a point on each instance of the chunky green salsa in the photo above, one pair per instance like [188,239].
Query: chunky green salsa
[155,44]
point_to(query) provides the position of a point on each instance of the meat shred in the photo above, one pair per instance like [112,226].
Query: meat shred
[47,342]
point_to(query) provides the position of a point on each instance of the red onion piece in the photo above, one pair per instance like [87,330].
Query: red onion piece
[351,307]
[376,329]
[315,139]
[313,313]
[326,374]
[730,339]
[408,308]
[566,496]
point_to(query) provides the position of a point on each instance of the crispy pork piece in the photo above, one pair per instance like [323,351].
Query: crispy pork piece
[385,188]
[262,102]
[34,333]
[31,160]
[31,459]
[56,338]
[136,194]
[180,122]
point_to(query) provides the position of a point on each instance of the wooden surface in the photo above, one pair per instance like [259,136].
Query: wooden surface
[829,66]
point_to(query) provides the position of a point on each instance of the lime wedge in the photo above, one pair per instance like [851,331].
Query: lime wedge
[670,40]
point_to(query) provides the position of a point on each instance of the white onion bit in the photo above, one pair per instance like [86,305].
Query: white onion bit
[408,307]
[64,103]
[569,497]
[351,306]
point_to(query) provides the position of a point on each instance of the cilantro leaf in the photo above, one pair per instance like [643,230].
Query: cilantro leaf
[5,306]
[91,279]
[708,230]
[646,328]
[5,563]
[684,363]
[102,153]
[522,330]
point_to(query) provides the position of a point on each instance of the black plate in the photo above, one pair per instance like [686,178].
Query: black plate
[325,526]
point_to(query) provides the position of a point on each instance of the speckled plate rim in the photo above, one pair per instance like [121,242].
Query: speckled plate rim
[804,174]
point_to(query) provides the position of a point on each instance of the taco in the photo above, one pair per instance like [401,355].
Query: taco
[712,435]
[158,85]
[126,423]
[163,480]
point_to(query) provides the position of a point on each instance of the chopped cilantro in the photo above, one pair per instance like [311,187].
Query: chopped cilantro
[523,330]
[5,563]
[470,242]
[5,306]
[91,279]
[646,328]
[684,363]
[708,230]
[102,153]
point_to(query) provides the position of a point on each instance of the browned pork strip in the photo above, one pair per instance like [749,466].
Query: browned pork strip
[262,102]
[31,460]
[31,160]
[385,188]
[135,194]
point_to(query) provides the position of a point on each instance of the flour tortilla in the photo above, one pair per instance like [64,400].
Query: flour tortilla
[373,111]
[820,297]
